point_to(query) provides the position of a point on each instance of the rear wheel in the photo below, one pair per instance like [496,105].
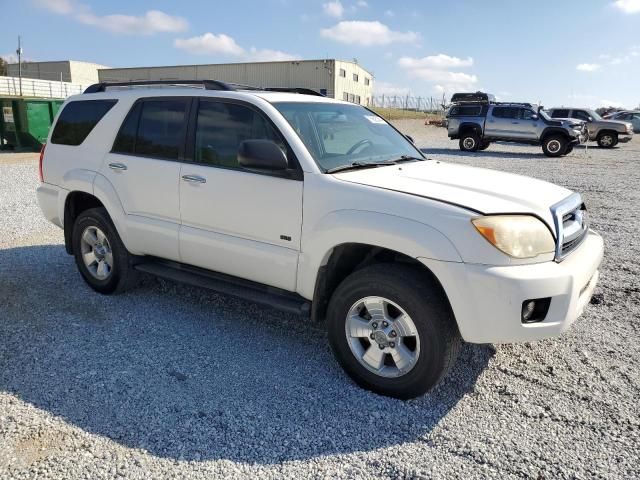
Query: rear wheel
[101,257]
[607,139]
[392,330]
[469,142]
[554,145]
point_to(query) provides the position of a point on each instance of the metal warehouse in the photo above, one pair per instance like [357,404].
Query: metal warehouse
[334,78]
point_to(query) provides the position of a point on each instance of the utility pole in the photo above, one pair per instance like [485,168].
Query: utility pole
[19,52]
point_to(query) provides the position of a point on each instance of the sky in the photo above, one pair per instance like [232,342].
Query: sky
[569,52]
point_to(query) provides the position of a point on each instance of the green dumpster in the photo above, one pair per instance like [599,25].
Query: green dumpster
[25,122]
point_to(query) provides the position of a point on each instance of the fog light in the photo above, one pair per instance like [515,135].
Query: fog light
[535,310]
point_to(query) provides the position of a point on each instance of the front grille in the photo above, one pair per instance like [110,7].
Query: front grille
[571,225]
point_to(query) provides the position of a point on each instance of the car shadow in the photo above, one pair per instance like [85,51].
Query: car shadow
[185,373]
[483,153]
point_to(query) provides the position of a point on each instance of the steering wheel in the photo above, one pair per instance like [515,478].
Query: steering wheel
[358,145]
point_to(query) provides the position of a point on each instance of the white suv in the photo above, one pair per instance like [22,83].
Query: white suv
[320,207]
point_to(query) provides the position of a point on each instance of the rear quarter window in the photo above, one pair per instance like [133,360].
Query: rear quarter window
[78,119]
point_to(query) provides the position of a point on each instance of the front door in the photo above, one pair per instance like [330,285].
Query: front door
[236,221]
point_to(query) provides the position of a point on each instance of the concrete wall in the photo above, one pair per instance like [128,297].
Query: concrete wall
[348,88]
[319,75]
[82,73]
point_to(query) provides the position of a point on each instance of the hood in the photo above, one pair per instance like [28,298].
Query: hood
[481,190]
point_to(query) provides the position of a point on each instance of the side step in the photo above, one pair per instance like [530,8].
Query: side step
[228,285]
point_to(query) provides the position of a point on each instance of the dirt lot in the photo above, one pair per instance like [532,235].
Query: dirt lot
[170,381]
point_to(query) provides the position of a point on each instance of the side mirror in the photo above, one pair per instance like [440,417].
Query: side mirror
[590,118]
[410,138]
[534,117]
[262,155]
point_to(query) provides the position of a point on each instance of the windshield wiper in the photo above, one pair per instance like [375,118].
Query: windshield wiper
[358,165]
[408,158]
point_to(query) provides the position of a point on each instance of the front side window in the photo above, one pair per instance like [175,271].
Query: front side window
[340,134]
[153,128]
[77,119]
[580,115]
[526,114]
[220,129]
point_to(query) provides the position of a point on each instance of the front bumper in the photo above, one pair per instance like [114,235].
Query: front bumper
[624,137]
[487,300]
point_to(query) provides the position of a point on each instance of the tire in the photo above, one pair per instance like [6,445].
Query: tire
[469,142]
[396,289]
[554,145]
[568,150]
[484,145]
[607,139]
[96,242]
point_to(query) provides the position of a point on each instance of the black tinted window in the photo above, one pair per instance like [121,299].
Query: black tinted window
[77,119]
[580,115]
[222,127]
[561,113]
[161,128]
[525,114]
[505,112]
[126,139]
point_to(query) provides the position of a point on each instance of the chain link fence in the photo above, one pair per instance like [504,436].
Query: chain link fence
[392,107]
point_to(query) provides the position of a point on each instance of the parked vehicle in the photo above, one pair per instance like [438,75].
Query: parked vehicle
[627,116]
[319,207]
[606,132]
[476,120]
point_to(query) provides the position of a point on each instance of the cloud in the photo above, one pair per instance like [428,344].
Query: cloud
[628,6]
[221,44]
[361,4]
[588,67]
[389,13]
[209,44]
[440,61]
[333,9]
[444,76]
[153,21]
[367,34]
[386,88]
[11,58]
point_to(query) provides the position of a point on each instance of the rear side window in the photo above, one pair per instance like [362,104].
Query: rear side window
[153,128]
[77,119]
[465,110]
[505,112]
[560,113]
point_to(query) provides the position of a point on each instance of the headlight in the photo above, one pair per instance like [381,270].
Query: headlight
[519,236]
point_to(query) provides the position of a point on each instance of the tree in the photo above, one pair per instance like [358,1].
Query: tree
[3,67]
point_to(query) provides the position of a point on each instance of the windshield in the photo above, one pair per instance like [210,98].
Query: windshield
[338,135]
[594,115]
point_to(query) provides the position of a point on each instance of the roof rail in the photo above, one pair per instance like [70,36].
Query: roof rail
[207,84]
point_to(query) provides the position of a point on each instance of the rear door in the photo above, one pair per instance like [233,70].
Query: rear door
[236,221]
[501,122]
[144,167]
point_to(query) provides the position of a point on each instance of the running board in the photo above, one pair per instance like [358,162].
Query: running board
[228,285]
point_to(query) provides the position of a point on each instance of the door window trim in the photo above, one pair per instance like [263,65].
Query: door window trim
[295,173]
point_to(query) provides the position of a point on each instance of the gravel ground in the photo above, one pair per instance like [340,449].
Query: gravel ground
[171,381]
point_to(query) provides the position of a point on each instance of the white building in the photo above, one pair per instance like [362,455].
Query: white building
[80,73]
[334,78]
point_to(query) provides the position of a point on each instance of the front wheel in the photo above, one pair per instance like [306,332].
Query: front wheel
[392,330]
[554,145]
[568,150]
[607,140]
[484,145]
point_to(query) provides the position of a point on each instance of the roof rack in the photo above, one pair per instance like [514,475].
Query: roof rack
[207,84]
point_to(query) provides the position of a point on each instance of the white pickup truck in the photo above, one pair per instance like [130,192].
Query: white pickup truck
[320,207]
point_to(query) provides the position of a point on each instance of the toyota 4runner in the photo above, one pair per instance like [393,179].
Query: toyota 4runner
[319,207]
[607,133]
[476,120]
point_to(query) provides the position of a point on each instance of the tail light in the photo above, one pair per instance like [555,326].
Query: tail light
[40,165]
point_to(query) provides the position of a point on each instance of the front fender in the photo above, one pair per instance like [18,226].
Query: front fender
[395,233]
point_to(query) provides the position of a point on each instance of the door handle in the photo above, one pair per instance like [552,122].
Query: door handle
[194,179]
[515,123]
[117,166]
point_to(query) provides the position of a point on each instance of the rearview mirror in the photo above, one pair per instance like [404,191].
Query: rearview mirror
[261,155]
